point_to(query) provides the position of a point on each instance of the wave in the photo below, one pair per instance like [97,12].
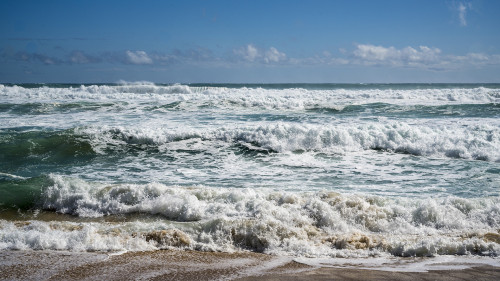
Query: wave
[486,110]
[415,111]
[291,98]
[20,192]
[311,224]
[54,107]
[479,142]
[43,150]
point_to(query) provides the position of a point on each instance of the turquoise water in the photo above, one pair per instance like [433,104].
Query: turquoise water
[297,169]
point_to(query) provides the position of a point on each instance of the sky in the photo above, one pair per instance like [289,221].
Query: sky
[108,41]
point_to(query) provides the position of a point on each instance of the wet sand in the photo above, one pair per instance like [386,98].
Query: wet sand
[193,265]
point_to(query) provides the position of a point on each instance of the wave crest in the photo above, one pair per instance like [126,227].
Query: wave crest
[316,224]
[291,98]
[480,142]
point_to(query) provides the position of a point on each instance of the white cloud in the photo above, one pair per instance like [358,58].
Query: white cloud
[374,53]
[138,57]
[462,11]
[273,55]
[419,57]
[423,54]
[409,56]
[476,59]
[251,53]
[416,57]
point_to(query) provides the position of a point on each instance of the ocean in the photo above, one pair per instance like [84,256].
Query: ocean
[311,171]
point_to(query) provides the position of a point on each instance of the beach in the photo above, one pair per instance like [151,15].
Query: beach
[193,265]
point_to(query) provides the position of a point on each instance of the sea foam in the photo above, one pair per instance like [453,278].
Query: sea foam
[313,224]
[291,98]
[308,172]
[480,142]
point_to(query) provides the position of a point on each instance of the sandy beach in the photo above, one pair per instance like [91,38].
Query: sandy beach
[193,265]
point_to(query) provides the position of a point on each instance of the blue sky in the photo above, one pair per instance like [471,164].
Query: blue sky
[249,41]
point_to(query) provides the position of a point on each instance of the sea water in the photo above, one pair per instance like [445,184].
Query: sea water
[302,170]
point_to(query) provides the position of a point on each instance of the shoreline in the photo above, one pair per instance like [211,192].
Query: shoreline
[195,265]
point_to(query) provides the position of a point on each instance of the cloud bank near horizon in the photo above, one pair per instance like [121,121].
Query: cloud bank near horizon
[369,55]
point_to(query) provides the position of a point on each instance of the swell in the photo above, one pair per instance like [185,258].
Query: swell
[40,147]
[21,193]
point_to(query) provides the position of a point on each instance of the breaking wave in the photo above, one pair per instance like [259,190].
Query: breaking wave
[313,224]
[481,142]
[288,98]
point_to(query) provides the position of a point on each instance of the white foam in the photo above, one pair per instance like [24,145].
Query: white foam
[288,220]
[12,176]
[480,142]
[67,236]
[405,264]
[296,98]
[310,224]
